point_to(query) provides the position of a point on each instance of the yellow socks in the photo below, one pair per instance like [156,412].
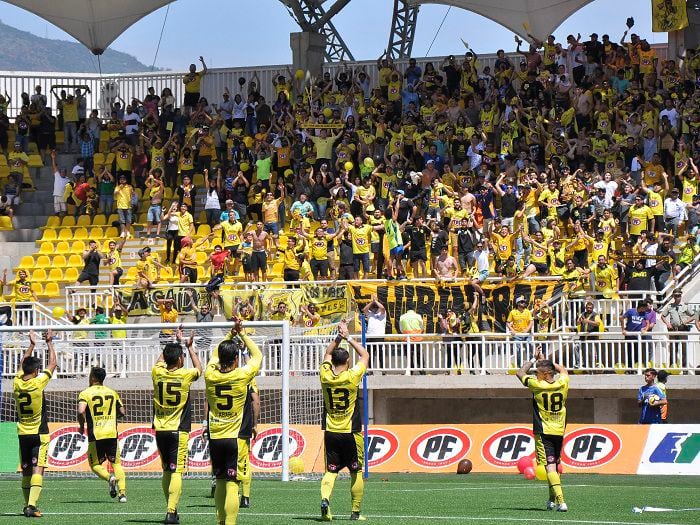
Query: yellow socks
[327,485]
[555,487]
[121,478]
[26,485]
[36,482]
[357,490]
[175,491]
[226,500]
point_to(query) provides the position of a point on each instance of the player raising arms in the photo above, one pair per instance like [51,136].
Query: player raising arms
[172,419]
[32,423]
[100,407]
[342,438]
[549,393]
[227,387]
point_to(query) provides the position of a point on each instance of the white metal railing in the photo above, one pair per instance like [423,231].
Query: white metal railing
[483,353]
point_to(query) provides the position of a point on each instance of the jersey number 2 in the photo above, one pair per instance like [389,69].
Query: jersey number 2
[24,404]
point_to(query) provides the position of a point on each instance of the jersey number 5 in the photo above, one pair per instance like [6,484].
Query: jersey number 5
[226,398]
[24,404]
[338,399]
[552,402]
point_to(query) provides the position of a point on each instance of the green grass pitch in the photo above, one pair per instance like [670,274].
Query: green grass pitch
[389,499]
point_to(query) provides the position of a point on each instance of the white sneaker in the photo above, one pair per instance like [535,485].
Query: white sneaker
[122,499]
[550,505]
[561,507]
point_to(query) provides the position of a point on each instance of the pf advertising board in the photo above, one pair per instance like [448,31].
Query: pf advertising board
[601,449]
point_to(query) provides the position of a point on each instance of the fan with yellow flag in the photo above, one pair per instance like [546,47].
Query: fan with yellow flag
[668,15]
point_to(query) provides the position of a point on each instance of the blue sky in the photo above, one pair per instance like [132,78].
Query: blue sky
[241,33]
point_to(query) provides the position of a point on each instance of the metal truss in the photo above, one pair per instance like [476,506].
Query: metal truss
[403,29]
[311,16]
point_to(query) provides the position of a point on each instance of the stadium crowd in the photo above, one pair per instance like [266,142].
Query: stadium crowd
[579,160]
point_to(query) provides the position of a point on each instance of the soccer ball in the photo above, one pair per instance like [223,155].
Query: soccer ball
[653,399]
[464,467]
[296,465]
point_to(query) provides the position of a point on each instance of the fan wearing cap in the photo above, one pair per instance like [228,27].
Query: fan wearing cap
[674,212]
[520,323]
[147,269]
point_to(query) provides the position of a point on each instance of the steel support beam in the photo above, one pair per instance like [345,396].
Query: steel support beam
[403,29]
[311,16]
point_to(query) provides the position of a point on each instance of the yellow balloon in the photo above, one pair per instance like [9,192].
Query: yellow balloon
[541,472]
[328,112]
[244,166]
[248,141]
[58,312]
[368,162]
[620,368]
[512,369]
[349,166]
[296,465]
[299,74]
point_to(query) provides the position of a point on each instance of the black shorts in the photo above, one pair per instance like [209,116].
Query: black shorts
[346,271]
[224,458]
[190,273]
[92,279]
[191,99]
[319,267]
[419,255]
[540,267]
[102,450]
[234,251]
[172,446]
[548,448]
[343,450]
[258,261]
[34,450]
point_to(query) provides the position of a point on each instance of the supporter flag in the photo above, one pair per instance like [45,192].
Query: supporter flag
[668,15]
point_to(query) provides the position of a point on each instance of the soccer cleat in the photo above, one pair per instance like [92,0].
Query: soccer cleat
[551,505]
[171,518]
[122,498]
[356,516]
[245,502]
[112,487]
[30,511]
[561,507]
[326,510]
[213,488]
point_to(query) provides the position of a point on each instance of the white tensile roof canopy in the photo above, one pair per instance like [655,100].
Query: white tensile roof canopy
[94,23]
[97,23]
[542,17]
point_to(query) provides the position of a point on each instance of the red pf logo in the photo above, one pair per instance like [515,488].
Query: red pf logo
[440,447]
[198,447]
[266,451]
[67,448]
[591,447]
[138,447]
[504,448]
[382,445]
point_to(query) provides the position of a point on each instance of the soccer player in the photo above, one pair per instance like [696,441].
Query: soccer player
[227,386]
[342,438]
[172,418]
[100,407]
[32,423]
[549,393]
[650,399]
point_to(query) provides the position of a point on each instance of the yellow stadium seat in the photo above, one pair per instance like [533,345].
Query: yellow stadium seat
[52,290]
[201,258]
[38,288]
[202,273]
[33,149]
[4,172]
[3,159]
[59,261]
[71,275]
[84,220]
[78,247]
[46,248]
[142,218]
[112,218]
[167,273]
[53,222]
[96,233]
[43,261]
[203,230]
[68,221]
[26,262]
[39,275]
[198,180]
[35,161]
[131,272]
[112,232]
[62,247]
[75,261]
[6,223]
[65,234]
[202,217]
[49,235]
[55,275]
[99,220]
[168,193]
[80,234]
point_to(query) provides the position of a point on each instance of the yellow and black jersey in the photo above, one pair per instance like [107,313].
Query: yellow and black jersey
[549,404]
[103,406]
[341,405]
[246,431]
[29,400]
[171,397]
[227,393]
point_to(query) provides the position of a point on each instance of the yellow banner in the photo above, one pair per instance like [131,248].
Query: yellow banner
[311,125]
[668,15]
[431,299]
[331,302]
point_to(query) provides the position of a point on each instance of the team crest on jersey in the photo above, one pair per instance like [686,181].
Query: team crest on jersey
[591,447]
[382,445]
[440,447]
[504,448]
[67,448]
[266,451]
[138,447]
[198,446]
